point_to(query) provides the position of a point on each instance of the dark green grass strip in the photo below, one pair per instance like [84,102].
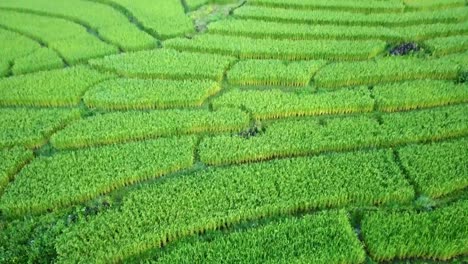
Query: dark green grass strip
[321,238]
[67,178]
[176,207]
[439,168]
[309,136]
[440,234]
[11,160]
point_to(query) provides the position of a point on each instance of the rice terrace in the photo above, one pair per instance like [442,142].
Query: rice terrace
[234,131]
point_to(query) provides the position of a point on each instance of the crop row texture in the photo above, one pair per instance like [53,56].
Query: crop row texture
[11,160]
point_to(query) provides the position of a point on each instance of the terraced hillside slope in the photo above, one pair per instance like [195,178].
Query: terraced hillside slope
[218,131]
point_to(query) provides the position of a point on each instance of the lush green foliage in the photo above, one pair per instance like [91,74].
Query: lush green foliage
[147,94]
[111,25]
[209,199]
[418,32]
[136,125]
[321,238]
[443,46]
[418,94]
[32,127]
[41,59]
[277,104]
[63,87]
[384,70]
[439,168]
[277,30]
[249,48]
[273,72]
[14,46]
[165,63]
[11,160]
[76,176]
[300,137]
[433,4]
[319,16]
[71,40]
[348,5]
[439,234]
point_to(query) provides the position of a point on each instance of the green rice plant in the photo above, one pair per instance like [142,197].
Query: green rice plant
[326,237]
[166,19]
[137,125]
[14,46]
[278,30]
[32,127]
[447,45]
[125,94]
[166,63]
[391,69]
[41,59]
[4,68]
[71,40]
[277,104]
[425,32]
[249,48]
[195,4]
[63,87]
[437,169]
[11,161]
[67,178]
[218,197]
[418,94]
[440,234]
[111,25]
[311,136]
[323,17]
[460,59]
[273,72]
[432,4]
[347,5]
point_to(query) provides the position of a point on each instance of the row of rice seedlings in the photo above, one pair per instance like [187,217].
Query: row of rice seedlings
[71,177]
[432,4]
[277,104]
[126,94]
[11,160]
[318,16]
[63,87]
[460,59]
[273,72]
[112,25]
[217,197]
[310,136]
[32,127]
[137,125]
[167,64]
[439,168]
[278,30]
[249,48]
[389,6]
[39,60]
[418,94]
[14,46]
[71,40]
[383,70]
[166,19]
[447,45]
[440,234]
[425,32]
[326,237]
[4,68]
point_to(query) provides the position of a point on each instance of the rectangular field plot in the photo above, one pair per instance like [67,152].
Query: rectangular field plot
[32,127]
[320,238]
[11,160]
[273,72]
[123,93]
[165,63]
[72,177]
[447,45]
[277,104]
[250,48]
[439,234]
[310,136]
[63,87]
[118,127]
[439,168]
[209,199]
[418,94]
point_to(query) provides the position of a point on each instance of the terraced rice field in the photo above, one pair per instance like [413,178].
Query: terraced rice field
[259,131]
